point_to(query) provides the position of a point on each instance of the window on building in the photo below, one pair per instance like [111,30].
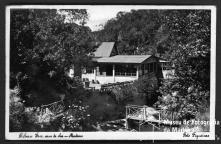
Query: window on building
[125,70]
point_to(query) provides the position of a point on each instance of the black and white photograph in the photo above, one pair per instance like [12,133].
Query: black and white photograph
[110,72]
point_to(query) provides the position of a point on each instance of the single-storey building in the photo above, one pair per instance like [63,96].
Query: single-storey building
[112,67]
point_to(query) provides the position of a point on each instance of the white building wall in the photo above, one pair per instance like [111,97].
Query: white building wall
[89,76]
[108,79]
[111,79]
[125,78]
[105,79]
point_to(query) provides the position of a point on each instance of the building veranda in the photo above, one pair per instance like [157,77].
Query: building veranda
[110,67]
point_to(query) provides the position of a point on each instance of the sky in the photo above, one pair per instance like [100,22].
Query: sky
[100,14]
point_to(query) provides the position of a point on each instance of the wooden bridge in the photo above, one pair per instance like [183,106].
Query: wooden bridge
[148,115]
[143,114]
[56,109]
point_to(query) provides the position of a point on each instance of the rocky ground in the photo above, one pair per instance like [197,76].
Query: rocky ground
[111,126]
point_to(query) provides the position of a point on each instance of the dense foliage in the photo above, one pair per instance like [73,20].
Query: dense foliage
[188,93]
[45,44]
[16,118]
[181,36]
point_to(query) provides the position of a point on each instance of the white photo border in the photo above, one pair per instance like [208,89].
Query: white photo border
[115,135]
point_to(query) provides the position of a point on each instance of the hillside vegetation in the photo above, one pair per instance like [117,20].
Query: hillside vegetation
[45,44]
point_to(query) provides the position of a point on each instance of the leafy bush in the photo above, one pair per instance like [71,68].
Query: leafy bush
[147,87]
[76,118]
[22,118]
[186,101]
[101,107]
[16,111]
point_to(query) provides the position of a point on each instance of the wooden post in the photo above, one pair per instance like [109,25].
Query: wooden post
[159,116]
[97,70]
[113,72]
[126,121]
[95,74]
[137,74]
[145,117]
[139,125]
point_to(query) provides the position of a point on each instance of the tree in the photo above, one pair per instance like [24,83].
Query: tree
[180,36]
[44,45]
[188,92]
[134,31]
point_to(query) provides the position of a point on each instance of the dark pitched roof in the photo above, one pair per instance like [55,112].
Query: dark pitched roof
[104,50]
[124,59]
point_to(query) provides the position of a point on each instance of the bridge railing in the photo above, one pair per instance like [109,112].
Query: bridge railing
[142,113]
[55,107]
